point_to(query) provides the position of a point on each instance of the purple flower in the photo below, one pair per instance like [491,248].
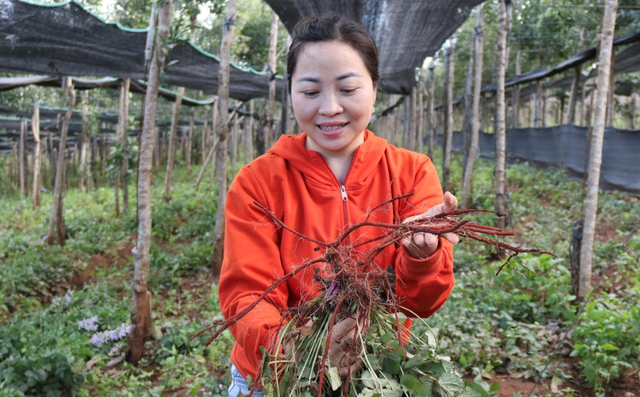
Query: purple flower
[111,336]
[89,324]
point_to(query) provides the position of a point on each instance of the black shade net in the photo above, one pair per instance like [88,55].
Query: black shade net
[565,146]
[406,31]
[67,40]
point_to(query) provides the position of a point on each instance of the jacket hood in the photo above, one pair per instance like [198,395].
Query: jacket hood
[312,164]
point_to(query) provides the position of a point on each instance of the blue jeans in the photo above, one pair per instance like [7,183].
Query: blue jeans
[239,385]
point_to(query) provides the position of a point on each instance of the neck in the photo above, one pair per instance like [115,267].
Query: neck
[338,162]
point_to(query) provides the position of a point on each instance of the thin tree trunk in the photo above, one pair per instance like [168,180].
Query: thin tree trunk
[431,116]
[539,111]
[248,135]
[189,143]
[516,94]
[214,129]
[604,68]
[501,133]
[211,155]
[22,183]
[233,143]
[124,141]
[269,131]
[421,114]
[575,86]
[37,151]
[223,133]
[414,118]
[57,218]
[205,135]
[141,303]
[468,84]
[83,142]
[156,148]
[212,152]
[173,142]
[611,103]
[475,104]
[448,121]
[13,173]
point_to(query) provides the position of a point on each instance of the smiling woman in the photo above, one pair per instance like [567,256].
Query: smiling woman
[319,183]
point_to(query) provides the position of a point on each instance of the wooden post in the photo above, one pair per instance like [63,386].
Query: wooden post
[22,183]
[214,131]
[448,120]
[575,86]
[83,144]
[421,112]
[189,142]
[205,135]
[468,97]
[124,141]
[37,152]
[233,143]
[475,104]
[269,131]
[431,116]
[611,102]
[57,218]
[173,141]
[223,132]
[248,135]
[141,302]
[602,93]
[501,133]
[516,94]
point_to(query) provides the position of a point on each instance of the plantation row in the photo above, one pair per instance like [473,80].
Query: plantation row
[65,310]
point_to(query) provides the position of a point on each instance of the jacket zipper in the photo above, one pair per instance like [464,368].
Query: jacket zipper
[343,190]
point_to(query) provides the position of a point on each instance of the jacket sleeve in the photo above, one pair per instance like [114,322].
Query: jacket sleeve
[423,285]
[250,266]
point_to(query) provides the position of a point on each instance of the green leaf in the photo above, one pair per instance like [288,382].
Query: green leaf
[609,347]
[495,387]
[597,315]
[372,362]
[390,363]
[412,383]
[479,391]
[433,368]
[413,362]
[450,383]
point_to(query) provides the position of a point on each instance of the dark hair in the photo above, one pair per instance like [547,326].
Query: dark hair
[330,27]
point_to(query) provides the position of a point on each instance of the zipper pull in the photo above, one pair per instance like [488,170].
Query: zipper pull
[343,190]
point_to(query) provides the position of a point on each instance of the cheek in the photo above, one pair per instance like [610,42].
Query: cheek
[302,108]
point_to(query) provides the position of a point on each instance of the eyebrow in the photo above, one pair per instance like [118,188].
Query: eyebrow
[341,77]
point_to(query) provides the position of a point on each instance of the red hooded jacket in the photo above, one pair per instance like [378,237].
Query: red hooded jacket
[297,185]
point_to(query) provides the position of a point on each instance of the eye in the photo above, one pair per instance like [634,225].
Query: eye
[310,94]
[349,91]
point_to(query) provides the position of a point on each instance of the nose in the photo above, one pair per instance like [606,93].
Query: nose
[330,105]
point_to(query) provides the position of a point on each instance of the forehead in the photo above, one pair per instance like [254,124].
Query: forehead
[326,59]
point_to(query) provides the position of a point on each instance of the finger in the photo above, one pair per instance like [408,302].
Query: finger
[450,202]
[452,237]
[419,240]
[431,240]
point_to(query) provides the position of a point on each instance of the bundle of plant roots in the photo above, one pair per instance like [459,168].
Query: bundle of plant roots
[385,358]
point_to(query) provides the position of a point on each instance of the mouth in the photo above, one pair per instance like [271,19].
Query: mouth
[331,127]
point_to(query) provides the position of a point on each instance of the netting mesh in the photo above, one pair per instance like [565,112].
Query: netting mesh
[67,40]
[406,31]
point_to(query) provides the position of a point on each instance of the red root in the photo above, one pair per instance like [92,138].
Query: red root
[349,278]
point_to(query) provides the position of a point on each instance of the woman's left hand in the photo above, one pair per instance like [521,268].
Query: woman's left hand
[423,245]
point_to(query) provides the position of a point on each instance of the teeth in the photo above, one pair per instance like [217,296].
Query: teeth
[331,128]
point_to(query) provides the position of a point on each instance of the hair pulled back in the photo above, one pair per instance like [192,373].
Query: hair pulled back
[333,27]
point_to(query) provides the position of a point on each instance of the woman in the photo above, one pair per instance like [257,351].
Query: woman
[319,182]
